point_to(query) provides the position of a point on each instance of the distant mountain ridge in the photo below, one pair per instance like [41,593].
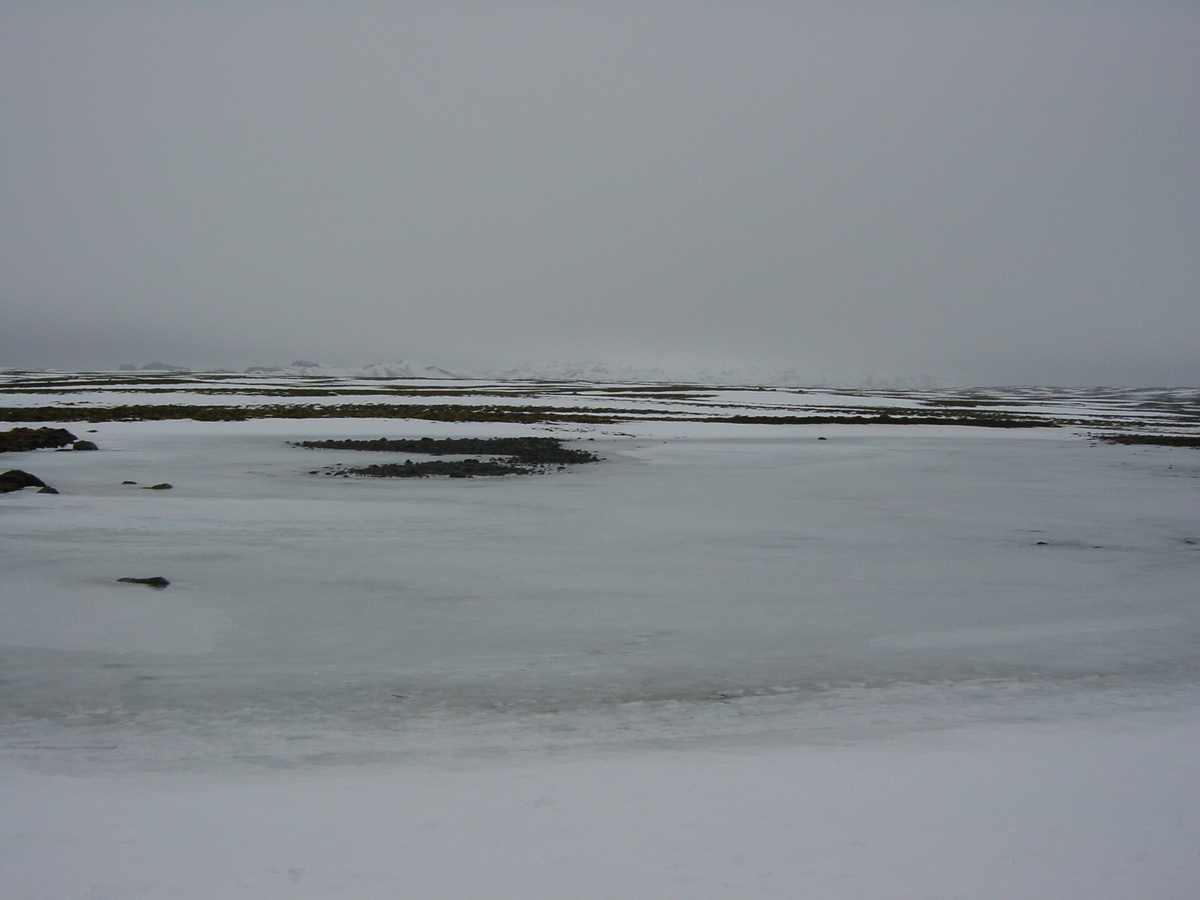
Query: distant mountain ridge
[407,369]
[404,368]
[755,376]
[591,372]
[399,369]
[154,367]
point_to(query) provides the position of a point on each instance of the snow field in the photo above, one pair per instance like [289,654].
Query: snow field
[729,661]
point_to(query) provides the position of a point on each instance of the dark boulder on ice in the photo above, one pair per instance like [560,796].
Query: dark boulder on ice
[154,581]
[165,486]
[47,490]
[17,440]
[84,445]
[15,479]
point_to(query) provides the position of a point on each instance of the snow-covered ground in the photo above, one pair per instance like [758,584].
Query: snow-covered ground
[730,660]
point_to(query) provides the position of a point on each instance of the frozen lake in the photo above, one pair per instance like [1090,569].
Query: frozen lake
[745,567]
[708,583]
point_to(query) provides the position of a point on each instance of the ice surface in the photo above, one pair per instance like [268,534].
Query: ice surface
[706,585]
[690,565]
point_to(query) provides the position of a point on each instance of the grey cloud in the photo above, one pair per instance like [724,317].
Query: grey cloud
[984,192]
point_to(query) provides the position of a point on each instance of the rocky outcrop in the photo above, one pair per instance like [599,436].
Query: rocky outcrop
[20,439]
[84,445]
[463,468]
[154,581]
[15,479]
[529,450]
[509,456]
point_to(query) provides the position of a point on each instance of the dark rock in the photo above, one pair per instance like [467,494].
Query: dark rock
[84,445]
[160,487]
[20,439]
[15,479]
[128,482]
[155,581]
[47,490]
[527,450]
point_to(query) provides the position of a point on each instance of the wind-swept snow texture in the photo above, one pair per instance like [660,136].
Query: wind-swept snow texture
[729,660]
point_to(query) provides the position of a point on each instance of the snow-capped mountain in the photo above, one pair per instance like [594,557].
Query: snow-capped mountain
[154,367]
[590,371]
[404,369]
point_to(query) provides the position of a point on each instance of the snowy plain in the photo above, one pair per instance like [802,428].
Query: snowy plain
[730,660]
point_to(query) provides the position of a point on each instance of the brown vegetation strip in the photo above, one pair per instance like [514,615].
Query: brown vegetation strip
[1158,440]
[510,456]
[431,413]
[536,450]
[981,420]
[454,412]
[463,468]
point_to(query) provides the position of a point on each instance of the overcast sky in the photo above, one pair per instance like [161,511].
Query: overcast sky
[983,192]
